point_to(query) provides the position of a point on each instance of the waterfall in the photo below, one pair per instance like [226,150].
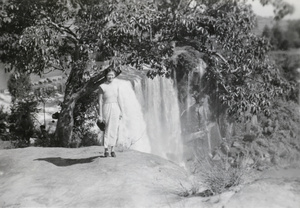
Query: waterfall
[161,112]
[132,130]
[151,119]
[188,96]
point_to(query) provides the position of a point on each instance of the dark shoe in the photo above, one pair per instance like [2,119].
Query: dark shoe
[106,154]
[113,154]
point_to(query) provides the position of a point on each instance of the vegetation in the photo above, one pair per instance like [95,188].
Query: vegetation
[289,64]
[219,176]
[3,123]
[240,79]
[85,117]
[283,39]
[21,121]
[70,35]
[19,86]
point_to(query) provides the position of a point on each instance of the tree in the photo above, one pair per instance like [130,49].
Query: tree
[281,8]
[22,118]
[289,64]
[40,35]
[283,39]
[267,32]
[292,33]
[69,34]
[19,85]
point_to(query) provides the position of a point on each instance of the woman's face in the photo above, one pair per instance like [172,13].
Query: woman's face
[110,76]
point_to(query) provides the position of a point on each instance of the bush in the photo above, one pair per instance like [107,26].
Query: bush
[85,116]
[215,175]
[22,121]
[90,139]
[43,137]
[3,124]
[218,176]
[85,135]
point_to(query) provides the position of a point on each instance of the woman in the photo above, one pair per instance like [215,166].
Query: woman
[110,111]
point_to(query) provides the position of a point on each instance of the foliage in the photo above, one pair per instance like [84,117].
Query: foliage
[289,63]
[69,35]
[3,123]
[283,39]
[272,140]
[21,120]
[286,116]
[3,114]
[43,137]
[218,177]
[19,85]
[281,8]
[85,114]
[214,177]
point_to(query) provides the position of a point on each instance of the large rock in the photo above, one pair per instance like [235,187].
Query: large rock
[58,177]
[276,189]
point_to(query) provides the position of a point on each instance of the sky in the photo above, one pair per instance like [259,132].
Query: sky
[267,11]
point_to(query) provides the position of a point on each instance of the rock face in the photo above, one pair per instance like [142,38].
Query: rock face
[57,177]
[276,189]
[82,177]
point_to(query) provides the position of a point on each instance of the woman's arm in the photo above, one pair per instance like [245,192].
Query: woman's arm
[100,104]
[120,102]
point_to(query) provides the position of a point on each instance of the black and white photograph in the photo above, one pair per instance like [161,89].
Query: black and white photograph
[149,103]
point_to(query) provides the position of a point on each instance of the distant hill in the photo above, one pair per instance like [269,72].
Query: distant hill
[4,76]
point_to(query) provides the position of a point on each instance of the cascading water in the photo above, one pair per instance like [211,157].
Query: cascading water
[188,96]
[133,131]
[161,112]
[151,119]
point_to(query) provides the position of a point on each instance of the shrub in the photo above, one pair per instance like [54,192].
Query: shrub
[3,124]
[218,176]
[85,115]
[90,139]
[21,121]
[217,173]
[43,137]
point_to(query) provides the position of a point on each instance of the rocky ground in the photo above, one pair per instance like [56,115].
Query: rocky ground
[60,177]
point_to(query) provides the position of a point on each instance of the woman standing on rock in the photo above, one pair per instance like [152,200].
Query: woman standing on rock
[110,111]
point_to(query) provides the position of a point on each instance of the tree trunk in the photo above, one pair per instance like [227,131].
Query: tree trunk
[65,123]
[64,128]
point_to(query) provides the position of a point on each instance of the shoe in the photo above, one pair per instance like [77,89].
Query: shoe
[113,154]
[106,154]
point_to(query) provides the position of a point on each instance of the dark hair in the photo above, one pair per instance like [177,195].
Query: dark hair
[110,69]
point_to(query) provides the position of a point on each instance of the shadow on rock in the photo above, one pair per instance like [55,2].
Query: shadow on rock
[58,161]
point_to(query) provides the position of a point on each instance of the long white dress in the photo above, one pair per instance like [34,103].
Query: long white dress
[111,112]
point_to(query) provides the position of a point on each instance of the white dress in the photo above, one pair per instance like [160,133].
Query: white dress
[111,112]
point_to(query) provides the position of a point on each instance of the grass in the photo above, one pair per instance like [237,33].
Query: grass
[213,177]
[219,176]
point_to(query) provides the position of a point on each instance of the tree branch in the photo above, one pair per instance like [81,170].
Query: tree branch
[220,56]
[92,84]
[62,29]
